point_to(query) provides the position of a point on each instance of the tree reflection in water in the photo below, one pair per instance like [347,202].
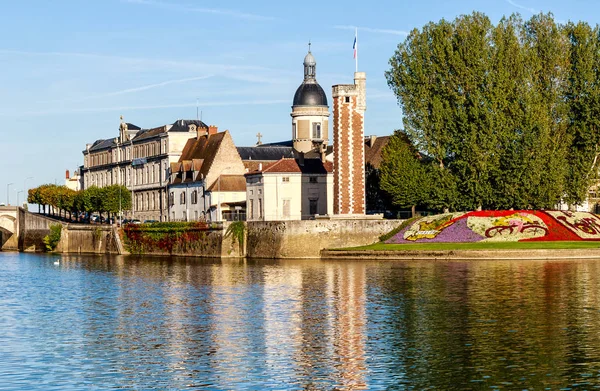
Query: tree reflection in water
[174,323]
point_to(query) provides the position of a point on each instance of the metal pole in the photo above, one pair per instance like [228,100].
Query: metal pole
[19,192]
[25,186]
[8,194]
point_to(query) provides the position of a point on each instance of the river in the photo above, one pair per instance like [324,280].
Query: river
[100,322]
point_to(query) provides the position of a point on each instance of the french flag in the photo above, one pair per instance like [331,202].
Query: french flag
[354,46]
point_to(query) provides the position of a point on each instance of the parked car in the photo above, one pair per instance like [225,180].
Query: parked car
[150,221]
[135,221]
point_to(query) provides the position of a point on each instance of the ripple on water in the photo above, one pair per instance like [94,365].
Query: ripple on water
[110,322]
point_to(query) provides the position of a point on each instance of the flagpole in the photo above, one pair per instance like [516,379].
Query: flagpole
[356,57]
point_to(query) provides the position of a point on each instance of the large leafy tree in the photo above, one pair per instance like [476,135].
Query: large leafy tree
[116,198]
[583,97]
[508,113]
[401,173]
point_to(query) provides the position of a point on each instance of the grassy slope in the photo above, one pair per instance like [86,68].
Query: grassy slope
[478,246]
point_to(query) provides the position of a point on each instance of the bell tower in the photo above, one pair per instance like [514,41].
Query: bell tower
[349,105]
[310,112]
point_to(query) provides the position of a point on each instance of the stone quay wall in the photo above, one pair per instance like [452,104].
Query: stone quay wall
[88,238]
[32,230]
[306,238]
[211,243]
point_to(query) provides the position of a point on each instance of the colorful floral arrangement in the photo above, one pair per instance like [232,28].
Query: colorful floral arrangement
[501,225]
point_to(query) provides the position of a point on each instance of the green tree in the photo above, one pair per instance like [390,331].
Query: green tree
[402,174]
[583,96]
[116,198]
[508,112]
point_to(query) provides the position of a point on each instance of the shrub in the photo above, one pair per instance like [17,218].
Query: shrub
[51,240]
[236,231]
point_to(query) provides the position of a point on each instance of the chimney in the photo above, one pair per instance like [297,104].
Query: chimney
[212,129]
[259,166]
[372,140]
[202,131]
[67,175]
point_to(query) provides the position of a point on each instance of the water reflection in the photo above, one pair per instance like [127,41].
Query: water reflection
[143,323]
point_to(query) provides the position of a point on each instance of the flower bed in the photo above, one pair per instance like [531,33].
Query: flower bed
[501,225]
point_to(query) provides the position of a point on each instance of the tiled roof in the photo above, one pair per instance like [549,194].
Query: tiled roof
[182,125]
[229,183]
[148,133]
[202,151]
[102,144]
[373,149]
[132,127]
[287,143]
[310,166]
[265,153]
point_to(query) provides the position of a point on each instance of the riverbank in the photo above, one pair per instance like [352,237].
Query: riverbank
[468,251]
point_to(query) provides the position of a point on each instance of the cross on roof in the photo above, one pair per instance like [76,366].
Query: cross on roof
[258,136]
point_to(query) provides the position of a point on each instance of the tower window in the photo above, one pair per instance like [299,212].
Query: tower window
[294,134]
[347,99]
[316,133]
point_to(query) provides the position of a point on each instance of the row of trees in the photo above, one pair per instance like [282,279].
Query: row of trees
[497,116]
[62,200]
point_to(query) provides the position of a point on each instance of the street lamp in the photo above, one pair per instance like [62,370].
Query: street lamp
[25,186]
[8,194]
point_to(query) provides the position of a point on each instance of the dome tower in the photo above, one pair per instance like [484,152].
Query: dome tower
[310,113]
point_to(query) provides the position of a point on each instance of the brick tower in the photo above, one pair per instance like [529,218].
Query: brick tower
[349,105]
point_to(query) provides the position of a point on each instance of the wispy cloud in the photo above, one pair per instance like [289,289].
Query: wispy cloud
[528,9]
[131,90]
[174,64]
[371,30]
[187,8]
[134,108]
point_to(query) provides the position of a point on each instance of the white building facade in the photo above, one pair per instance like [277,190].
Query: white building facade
[139,159]
[284,190]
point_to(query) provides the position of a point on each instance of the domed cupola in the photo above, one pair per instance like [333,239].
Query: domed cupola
[310,111]
[310,92]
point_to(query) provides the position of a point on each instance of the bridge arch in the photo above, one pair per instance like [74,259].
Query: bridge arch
[8,227]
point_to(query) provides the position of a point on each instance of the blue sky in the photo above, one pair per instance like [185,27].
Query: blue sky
[70,68]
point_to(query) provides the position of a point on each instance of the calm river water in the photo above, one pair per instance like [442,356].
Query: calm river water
[93,322]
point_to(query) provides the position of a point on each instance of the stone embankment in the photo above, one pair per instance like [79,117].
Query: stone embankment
[452,255]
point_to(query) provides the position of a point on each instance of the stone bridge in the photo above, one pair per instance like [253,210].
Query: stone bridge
[21,230]
[9,227]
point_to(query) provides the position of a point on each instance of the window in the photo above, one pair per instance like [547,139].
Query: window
[251,209]
[286,208]
[260,211]
[312,179]
[195,197]
[312,207]
[294,134]
[347,99]
[182,198]
[316,133]
[172,199]
[285,179]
